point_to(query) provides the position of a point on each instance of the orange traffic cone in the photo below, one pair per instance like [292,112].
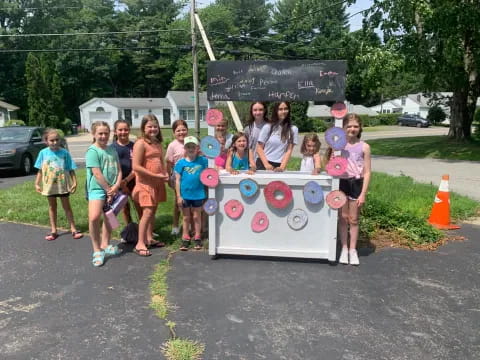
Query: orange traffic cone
[440,215]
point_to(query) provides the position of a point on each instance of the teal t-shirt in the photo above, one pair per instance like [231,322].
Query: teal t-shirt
[239,164]
[104,159]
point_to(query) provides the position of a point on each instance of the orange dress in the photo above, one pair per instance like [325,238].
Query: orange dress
[150,191]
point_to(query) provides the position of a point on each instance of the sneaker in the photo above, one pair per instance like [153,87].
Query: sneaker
[343,256]
[353,257]
[175,231]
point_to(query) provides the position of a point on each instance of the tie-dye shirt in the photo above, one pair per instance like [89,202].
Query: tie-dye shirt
[55,167]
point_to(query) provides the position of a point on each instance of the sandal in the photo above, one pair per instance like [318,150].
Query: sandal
[51,236]
[98,258]
[155,244]
[198,244]
[142,252]
[185,244]
[77,234]
[111,250]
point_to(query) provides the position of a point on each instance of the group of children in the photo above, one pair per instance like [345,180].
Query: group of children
[139,169]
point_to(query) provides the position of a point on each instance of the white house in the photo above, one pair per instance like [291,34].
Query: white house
[324,110]
[177,105]
[7,112]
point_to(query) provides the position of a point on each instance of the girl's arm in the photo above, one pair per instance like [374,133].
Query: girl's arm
[169,167]
[162,161]
[262,157]
[367,172]
[178,177]
[317,161]
[285,159]
[116,186]
[138,154]
[73,188]
[228,165]
[251,160]
[97,173]
[38,180]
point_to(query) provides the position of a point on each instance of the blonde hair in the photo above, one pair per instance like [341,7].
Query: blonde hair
[48,131]
[98,124]
[306,139]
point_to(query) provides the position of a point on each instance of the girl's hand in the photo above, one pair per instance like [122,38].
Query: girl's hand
[179,201]
[232,171]
[361,200]
[279,169]
[316,171]
[38,188]
[124,188]
[251,171]
[73,188]
[112,191]
[269,167]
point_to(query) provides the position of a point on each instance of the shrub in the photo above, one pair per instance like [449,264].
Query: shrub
[320,124]
[436,114]
[15,122]
[66,126]
[388,119]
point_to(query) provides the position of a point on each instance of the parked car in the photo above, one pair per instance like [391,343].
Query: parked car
[412,120]
[19,147]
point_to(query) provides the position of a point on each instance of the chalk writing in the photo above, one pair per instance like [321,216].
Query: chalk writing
[263,82]
[219,97]
[281,72]
[288,95]
[323,91]
[258,68]
[218,80]
[328,73]
[305,84]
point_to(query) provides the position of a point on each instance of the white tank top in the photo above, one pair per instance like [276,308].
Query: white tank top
[307,164]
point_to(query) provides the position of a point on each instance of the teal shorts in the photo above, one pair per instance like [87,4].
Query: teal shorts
[97,195]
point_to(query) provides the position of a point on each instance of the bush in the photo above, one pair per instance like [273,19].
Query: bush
[388,119]
[66,126]
[320,124]
[15,122]
[436,114]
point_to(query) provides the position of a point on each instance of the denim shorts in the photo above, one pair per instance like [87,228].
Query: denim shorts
[192,203]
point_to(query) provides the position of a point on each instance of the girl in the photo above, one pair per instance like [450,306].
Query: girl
[104,176]
[222,128]
[175,152]
[257,119]
[221,160]
[124,148]
[190,191]
[56,178]
[150,183]
[311,161]
[277,139]
[238,154]
[354,185]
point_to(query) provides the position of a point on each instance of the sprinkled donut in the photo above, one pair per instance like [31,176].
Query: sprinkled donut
[278,194]
[313,193]
[338,110]
[336,199]
[336,138]
[214,117]
[336,166]
[259,222]
[233,209]
[297,219]
[210,146]
[210,206]
[209,177]
[248,187]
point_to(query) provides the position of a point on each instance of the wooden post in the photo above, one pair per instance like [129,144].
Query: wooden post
[196,100]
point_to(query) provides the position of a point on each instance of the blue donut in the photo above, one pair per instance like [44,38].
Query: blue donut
[312,192]
[210,147]
[210,206]
[248,187]
[336,138]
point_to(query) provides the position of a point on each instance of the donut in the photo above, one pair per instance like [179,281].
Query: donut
[278,194]
[233,209]
[337,166]
[338,110]
[312,192]
[210,146]
[213,117]
[336,199]
[209,177]
[248,187]
[336,138]
[210,206]
[297,219]
[259,222]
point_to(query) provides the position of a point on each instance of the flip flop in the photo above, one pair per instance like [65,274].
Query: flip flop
[77,234]
[142,252]
[155,244]
[51,236]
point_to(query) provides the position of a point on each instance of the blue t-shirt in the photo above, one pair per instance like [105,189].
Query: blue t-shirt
[240,164]
[191,188]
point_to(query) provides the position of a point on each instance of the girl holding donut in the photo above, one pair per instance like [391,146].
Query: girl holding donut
[355,186]
[257,119]
[175,152]
[277,139]
[311,161]
[238,154]
[150,183]
[221,160]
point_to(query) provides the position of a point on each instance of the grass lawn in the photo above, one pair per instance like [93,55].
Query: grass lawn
[437,147]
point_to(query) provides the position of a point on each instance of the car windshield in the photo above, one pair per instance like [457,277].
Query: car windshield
[14,134]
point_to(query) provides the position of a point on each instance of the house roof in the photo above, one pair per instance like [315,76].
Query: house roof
[185,98]
[324,110]
[8,106]
[134,103]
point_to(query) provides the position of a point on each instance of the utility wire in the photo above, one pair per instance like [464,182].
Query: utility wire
[180,47]
[93,33]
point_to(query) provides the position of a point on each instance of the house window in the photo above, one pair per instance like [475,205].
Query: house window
[388,111]
[119,114]
[189,114]
[100,109]
[149,111]
[404,100]
[419,98]
[135,114]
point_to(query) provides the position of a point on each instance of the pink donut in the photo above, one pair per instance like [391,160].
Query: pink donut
[336,199]
[278,187]
[259,222]
[337,166]
[338,110]
[209,177]
[213,117]
[233,209]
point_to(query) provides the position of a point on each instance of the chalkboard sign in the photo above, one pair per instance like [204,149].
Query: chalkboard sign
[296,80]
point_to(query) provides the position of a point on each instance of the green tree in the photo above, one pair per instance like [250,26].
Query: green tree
[439,39]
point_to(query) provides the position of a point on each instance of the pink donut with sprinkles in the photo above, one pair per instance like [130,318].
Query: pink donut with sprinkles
[209,177]
[336,199]
[337,166]
[233,209]
[214,117]
[259,222]
[338,110]
[278,194]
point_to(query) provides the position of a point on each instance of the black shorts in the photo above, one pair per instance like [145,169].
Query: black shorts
[260,166]
[192,203]
[352,187]
[59,195]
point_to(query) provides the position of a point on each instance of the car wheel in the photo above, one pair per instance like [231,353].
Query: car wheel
[419,125]
[400,123]
[26,164]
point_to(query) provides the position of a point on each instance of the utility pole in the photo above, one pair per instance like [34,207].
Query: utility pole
[196,100]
